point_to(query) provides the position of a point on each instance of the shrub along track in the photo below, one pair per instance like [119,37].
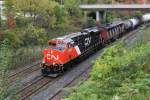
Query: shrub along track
[53,90]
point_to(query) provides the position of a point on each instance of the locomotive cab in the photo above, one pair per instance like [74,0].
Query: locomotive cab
[56,56]
[52,62]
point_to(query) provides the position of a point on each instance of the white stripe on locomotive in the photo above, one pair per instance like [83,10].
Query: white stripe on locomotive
[78,50]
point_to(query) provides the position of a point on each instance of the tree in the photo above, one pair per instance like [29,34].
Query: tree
[9,13]
[72,6]
[28,7]
[34,36]
[96,1]
[89,1]
[42,12]
[47,13]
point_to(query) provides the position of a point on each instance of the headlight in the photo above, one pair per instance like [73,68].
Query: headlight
[43,61]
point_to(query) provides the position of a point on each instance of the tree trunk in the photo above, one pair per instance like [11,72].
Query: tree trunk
[10,21]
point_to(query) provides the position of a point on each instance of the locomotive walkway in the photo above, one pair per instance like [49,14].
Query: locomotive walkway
[101,9]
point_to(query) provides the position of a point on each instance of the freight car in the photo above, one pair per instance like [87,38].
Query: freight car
[64,51]
[146,18]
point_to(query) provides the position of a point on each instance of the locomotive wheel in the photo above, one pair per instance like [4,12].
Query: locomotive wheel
[62,69]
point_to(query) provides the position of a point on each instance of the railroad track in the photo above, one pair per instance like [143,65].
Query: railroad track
[33,87]
[24,72]
[64,93]
[68,84]
[37,85]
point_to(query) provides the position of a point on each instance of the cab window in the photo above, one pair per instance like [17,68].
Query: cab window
[59,47]
[70,45]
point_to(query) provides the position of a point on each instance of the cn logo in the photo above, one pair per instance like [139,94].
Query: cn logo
[49,56]
[87,41]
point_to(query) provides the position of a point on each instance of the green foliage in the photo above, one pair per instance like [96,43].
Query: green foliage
[111,59]
[26,37]
[119,73]
[138,14]
[72,6]
[142,37]
[89,1]
[9,13]
[22,21]
[6,91]
[27,44]
[110,17]
[107,61]
[8,6]
[90,22]
[14,38]
[47,13]
[104,1]
[34,36]
[5,61]
[60,13]
[96,1]
[27,55]
[36,9]
[29,6]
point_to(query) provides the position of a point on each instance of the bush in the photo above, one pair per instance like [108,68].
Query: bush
[14,37]
[26,36]
[27,55]
[34,35]
[6,91]
[22,21]
[90,22]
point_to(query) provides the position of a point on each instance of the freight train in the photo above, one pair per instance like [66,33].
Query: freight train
[66,50]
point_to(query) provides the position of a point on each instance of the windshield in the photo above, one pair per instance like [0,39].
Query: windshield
[59,47]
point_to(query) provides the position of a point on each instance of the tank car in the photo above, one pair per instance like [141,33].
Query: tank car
[128,24]
[135,22]
[146,18]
